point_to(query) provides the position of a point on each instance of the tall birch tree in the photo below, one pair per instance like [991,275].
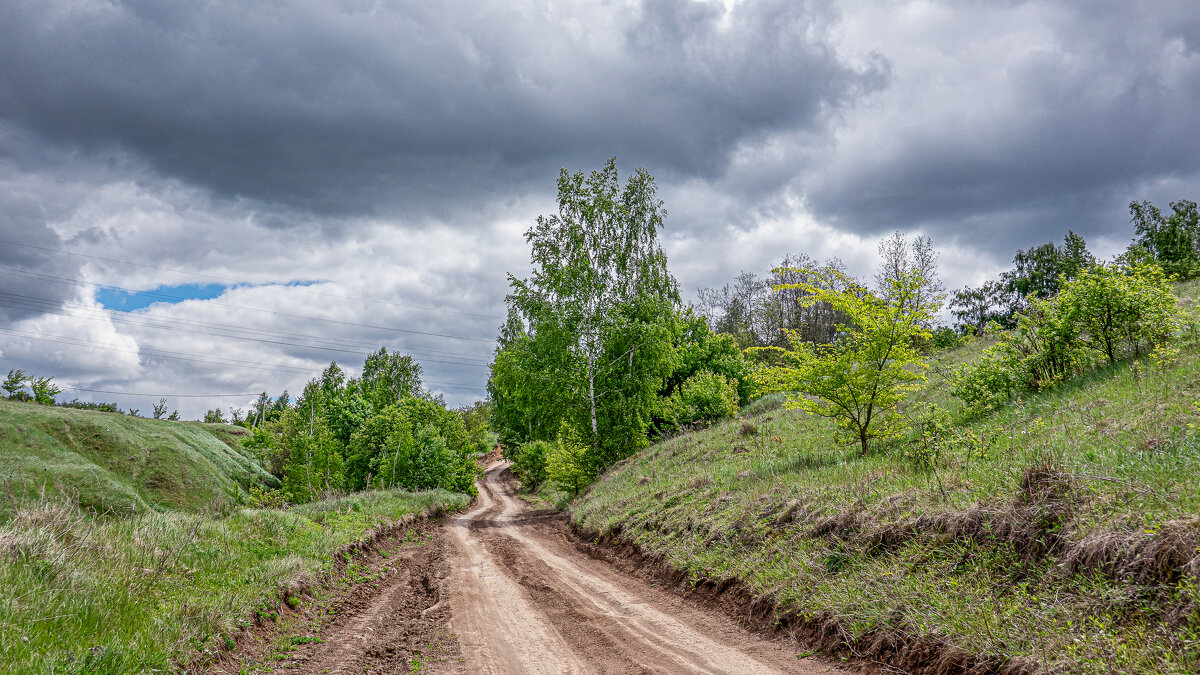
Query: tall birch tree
[594,345]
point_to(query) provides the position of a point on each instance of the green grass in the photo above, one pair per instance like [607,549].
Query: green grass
[124,547]
[1063,539]
[112,463]
[81,594]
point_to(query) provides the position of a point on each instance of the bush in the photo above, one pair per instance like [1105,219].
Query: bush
[1121,311]
[529,463]
[1109,311]
[989,382]
[702,399]
[945,338]
[567,466]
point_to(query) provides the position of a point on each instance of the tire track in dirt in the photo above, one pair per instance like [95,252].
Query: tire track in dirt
[578,613]
[386,615]
[503,589]
[498,629]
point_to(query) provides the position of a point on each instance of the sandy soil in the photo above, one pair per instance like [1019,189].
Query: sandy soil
[503,589]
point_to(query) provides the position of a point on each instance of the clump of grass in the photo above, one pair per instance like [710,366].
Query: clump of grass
[764,405]
[80,593]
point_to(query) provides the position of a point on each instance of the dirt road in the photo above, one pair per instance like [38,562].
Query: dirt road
[502,589]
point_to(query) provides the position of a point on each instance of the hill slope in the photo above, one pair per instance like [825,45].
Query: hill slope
[1061,532]
[118,463]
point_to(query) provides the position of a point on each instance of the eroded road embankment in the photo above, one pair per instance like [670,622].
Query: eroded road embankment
[502,589]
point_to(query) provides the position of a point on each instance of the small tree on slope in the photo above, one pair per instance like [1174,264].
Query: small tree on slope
[859,380]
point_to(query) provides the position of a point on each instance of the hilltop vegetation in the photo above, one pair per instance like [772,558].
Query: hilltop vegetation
[122,464]
[1058,532]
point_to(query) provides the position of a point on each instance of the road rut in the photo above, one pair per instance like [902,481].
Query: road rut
[505,589]
[524,599]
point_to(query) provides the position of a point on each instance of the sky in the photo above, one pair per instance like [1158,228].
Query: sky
[200,201]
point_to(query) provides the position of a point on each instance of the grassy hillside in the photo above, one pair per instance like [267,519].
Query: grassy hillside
[122,547]
[1061,532]
[155,591]
[116,463]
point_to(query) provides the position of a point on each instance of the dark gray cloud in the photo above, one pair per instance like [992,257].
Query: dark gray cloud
[30,276]
[357,107]
[1058,125]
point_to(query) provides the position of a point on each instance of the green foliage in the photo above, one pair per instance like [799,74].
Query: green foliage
[14,384]
[1171,241]
[953,534]
[703,399]
[588,338]
[529,463]
[1036,274]
[568,467]
[1110,311]
[699,349]
[1048,340]
[266,498]
[89,405]
[991,381]
[1121,311]
[945,337]
[416,444]
[43,389]
[859,380]
[390,378]
[214,416]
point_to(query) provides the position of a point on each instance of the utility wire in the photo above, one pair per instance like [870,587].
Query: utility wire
[182,356]
[68,280]
[130,393]
[29,302]
[241,283]
[51,306]
[155,353]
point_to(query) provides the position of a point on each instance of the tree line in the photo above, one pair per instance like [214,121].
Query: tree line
[599,355]
[383,429]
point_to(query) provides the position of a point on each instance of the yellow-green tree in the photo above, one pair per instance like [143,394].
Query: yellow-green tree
[858,380]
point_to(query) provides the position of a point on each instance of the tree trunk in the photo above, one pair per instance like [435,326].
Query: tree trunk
[592,405]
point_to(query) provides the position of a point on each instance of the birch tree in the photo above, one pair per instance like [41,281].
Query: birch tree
[599,287]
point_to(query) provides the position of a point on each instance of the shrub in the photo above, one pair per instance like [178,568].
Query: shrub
[1121,311]
[945,338]
[702,399]
[529,463]
[567,466]
[991,381]
[1049,342]
[1109,311]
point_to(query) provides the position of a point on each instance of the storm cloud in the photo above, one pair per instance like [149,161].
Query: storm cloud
[365,169]
[366,107]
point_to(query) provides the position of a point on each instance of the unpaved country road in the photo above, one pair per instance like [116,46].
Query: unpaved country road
[503,589]
[524,600]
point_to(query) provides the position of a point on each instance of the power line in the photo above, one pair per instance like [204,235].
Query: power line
[163,354]
[46,305]
[196,358]
[50,305]
[66,280]
[130,393]
[240,282]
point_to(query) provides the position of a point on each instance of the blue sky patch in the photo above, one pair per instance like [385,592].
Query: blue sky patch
[125,301]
